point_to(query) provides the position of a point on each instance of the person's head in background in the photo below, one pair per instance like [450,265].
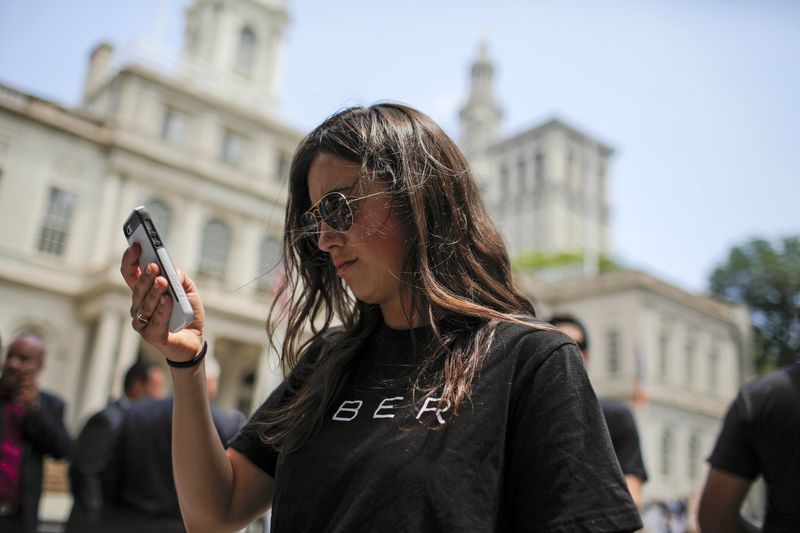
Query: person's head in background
[144,380]
[25,359]
[574,329]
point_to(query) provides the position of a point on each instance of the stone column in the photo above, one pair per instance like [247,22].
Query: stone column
[230,381]
[189,236]
[108,227]
[248,251]
[100,374]
[128,350]
[269,373]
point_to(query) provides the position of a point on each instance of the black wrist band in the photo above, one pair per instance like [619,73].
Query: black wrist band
[196,360]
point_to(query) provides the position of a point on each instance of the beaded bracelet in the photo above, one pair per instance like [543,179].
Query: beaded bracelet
[196,360]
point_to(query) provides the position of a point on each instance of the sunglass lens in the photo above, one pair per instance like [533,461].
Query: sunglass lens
[335,211]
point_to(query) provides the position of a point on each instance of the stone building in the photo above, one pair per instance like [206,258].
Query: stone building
[546,187]
[676,358]
[195,137]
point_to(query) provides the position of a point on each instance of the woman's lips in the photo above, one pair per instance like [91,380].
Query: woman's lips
[343,267]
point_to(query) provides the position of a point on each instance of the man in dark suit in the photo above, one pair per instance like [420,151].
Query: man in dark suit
[89,475]
[147,499]
[31,427]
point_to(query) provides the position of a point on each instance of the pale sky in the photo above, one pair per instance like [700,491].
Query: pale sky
[699,98]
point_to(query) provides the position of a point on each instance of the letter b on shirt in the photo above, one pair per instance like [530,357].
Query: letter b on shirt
[348,410]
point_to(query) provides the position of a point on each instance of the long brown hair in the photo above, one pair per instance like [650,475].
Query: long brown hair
[456,273]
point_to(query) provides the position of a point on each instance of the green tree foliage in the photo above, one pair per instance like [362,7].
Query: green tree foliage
[766,276]
[533,261]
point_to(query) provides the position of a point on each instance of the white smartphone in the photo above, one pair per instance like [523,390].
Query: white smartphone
[139,227]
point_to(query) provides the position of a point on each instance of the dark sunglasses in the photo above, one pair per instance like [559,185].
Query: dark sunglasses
[335,209]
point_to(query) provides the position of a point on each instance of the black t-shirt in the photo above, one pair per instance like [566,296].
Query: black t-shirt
[761,436]
[528,452]
[624,438]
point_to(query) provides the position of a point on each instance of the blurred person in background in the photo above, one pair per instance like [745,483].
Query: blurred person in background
[760,437]
[88,471]
[31,427]
[619,419]
[144,497]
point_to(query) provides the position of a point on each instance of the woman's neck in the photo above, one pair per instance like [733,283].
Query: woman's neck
[402,316]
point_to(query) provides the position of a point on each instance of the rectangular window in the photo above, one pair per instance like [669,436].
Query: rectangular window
[612,351]
[231,150]
[173,125]
[522,177]
[539,170]
[282,167]
[666,452]
[663,356]
[269,266]
[57,219]
[570,171]
[215,249]
[3,152]
[693,456]
[504,179]
[689,363]
[713,367]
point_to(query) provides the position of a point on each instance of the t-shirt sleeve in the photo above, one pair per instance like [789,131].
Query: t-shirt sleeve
[562,474]
[734,452]
[625,439]
[248,441]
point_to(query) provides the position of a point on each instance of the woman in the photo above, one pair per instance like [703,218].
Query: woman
[439,404]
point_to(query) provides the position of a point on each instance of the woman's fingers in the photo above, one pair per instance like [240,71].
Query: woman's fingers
[129,266]
[194,298]
[152,298]
[151,307]
[141,289]
[158,324]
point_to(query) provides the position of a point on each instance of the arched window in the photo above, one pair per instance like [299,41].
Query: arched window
[162,217]
[268,258]
[57,221]
[214,252]
[246,53]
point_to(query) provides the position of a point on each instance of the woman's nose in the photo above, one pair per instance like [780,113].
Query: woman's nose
[328,237]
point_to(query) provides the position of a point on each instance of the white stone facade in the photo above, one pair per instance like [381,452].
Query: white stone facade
[546,188]
[677,359]
[548,191]
[195,138]
[210,165]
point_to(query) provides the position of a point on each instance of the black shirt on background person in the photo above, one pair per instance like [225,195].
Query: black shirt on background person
[760,437]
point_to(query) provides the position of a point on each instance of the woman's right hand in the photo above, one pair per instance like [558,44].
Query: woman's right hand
[151,299]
